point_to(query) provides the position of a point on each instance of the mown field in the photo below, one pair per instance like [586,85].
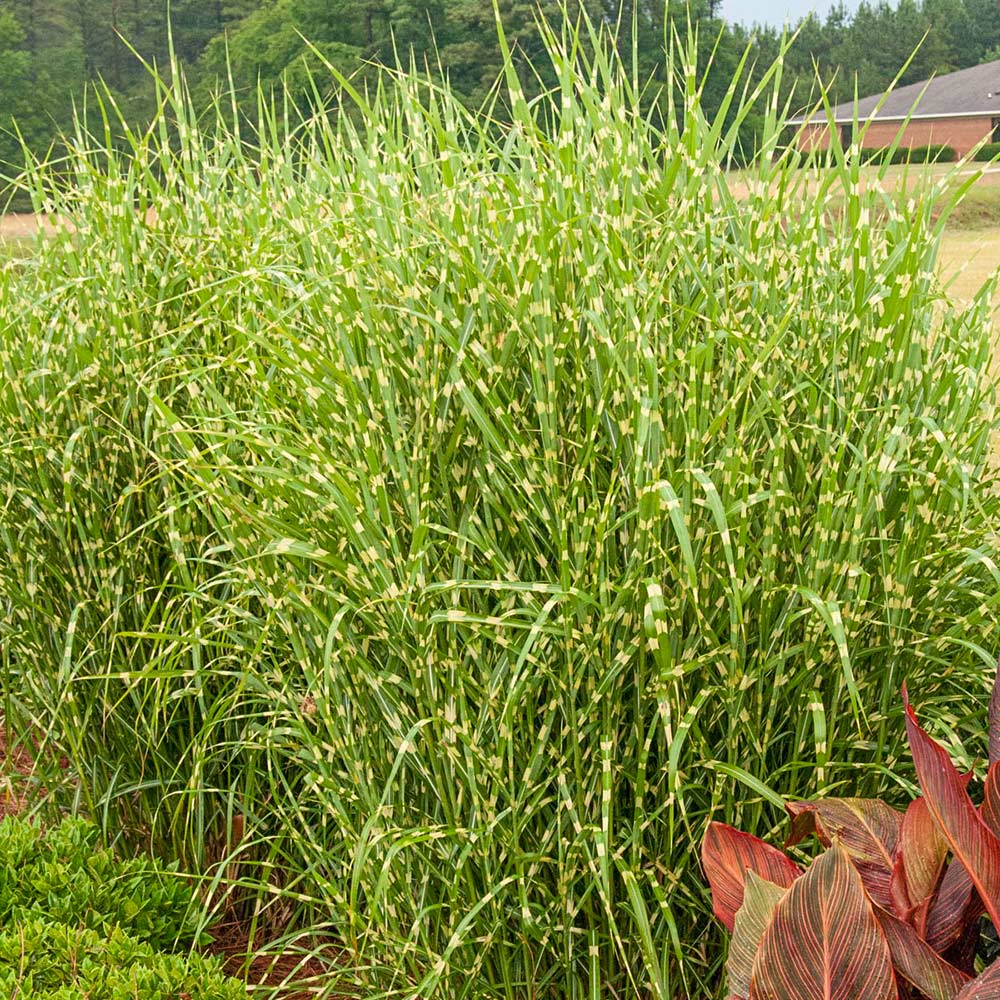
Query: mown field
[969,257]
[421,528]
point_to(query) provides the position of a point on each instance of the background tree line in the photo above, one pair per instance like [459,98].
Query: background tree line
[50,50]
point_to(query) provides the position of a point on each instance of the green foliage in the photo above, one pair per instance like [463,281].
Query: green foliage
[861,52]
[938,153]
[78,924]
[460,39]
[40,960]
[74,881]
[987,152]
[27,97]
[466,504]
[64,46]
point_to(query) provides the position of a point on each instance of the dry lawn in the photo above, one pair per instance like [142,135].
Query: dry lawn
[23,226]
[968,258]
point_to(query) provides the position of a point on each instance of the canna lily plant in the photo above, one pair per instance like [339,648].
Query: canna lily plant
[890,911]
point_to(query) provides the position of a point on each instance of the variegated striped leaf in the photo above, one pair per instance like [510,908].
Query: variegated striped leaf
[760,897]
[727,854]
[990,809]
[919,865]
[823,942]
[868,829]
[970,839]
[917,962]
[985,986]
[952,908]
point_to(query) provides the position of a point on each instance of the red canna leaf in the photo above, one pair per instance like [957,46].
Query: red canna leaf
[759,900]
[920,861]
[969,838]
[985,986]
[726,856]
[914,914]
[823,942]
[952,908]
[990,810]
[868,829]
[962,954]
[917,962]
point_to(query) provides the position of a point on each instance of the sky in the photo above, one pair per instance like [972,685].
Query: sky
[776,12]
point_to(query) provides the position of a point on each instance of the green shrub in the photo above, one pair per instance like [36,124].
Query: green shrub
[910,154]
[40,960]
[79,924]
[74,881]
[471,506]
[988,152]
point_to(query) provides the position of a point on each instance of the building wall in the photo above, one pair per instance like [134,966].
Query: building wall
[959,133]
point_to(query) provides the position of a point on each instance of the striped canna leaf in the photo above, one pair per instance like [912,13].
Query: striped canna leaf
[727,854]
[990,809]
[952,908]
[760,898]
[868,829]
[823,941]
[970,839]
[917,962]
[919,865]
[985,986]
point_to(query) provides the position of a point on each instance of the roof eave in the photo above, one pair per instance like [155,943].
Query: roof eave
[865,119]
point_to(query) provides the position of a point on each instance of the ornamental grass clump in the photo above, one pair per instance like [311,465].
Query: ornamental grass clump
[420,517]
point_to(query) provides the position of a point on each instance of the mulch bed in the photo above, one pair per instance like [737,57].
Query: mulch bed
[16,769]
[308,974]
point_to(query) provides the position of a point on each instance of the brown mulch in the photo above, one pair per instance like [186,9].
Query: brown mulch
[307,971]
[16,769]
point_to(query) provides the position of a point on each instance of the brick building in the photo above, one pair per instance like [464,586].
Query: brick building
[957,110]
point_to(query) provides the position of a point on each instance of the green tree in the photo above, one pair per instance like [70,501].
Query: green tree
[983,33]
[27,97]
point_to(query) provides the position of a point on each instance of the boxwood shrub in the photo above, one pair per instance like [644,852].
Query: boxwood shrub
[77,922]
[45,960]
[987,152]
[935,153]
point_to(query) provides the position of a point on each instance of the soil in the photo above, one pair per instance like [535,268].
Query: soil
[230,945]
[15,773]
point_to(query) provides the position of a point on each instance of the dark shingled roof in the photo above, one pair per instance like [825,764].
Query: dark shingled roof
[972,91]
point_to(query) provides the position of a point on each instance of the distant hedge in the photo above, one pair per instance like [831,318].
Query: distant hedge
[988,152]
[911,154]
[904,154]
